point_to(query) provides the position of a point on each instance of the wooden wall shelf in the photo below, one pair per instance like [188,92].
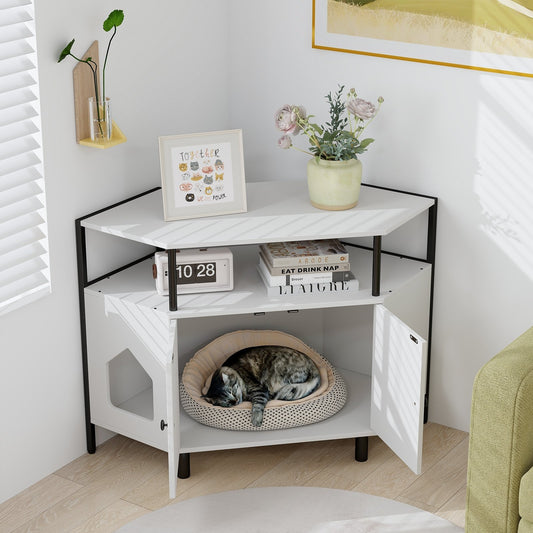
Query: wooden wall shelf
[83,90]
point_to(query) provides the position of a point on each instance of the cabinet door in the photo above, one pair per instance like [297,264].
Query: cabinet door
[172,394]
[399,362]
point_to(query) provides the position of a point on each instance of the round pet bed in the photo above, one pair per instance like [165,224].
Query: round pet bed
[321,404]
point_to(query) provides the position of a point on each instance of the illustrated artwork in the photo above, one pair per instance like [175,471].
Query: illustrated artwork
[202,174]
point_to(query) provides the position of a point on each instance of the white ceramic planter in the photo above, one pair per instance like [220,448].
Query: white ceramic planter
[334,185]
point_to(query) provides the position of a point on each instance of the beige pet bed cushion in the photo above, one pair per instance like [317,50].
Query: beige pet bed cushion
[321,404]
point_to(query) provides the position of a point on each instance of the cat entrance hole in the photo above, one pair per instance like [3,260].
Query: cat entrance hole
[130,386]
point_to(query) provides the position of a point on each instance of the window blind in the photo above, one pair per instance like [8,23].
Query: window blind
[24,264]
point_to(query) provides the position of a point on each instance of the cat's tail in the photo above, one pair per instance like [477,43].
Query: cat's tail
[295,391]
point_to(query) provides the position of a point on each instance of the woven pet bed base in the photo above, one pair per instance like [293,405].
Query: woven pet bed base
[327,400]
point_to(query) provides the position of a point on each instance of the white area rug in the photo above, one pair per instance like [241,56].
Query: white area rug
[289,510]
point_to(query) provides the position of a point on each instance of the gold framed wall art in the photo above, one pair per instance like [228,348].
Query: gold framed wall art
[486,35]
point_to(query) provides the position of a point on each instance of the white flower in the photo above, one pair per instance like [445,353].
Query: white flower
[361,108]
[286,120]
[288,117]
[285,142]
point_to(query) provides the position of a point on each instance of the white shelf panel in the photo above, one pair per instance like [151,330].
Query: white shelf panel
[136,285]
[277,211]
[353,420]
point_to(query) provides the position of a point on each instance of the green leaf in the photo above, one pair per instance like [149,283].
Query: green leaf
[114,19]
[345,135]
[66,51]
[365,143]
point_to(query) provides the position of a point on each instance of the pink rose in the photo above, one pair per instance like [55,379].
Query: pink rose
[287,119]
[361,108]
[285,142]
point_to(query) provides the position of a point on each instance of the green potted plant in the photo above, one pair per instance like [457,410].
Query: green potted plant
[334,173]
[99,108]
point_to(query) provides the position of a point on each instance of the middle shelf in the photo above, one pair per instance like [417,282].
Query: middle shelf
[135,285]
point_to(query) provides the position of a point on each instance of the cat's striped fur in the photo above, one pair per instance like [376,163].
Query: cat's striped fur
[261,373]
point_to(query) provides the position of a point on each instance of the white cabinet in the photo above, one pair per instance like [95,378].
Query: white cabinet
[135,345]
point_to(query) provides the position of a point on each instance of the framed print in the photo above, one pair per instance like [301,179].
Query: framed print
[202,174]
[486,35]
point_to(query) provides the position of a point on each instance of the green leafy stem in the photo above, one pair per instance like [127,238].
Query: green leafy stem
[338,139]
[112,22]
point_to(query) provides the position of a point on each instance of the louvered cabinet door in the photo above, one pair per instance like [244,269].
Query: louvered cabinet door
[399,362]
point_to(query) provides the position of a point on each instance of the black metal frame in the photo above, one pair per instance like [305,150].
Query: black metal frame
[361,443]
[83,282]
[431,248]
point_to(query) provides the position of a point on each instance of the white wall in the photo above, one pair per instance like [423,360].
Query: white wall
[166,75]
[463,136]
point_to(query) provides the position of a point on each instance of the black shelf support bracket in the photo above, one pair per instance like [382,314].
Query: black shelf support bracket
[376,266]
[172,281]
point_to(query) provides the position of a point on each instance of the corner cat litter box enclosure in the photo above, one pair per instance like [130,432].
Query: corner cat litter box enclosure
[324,402]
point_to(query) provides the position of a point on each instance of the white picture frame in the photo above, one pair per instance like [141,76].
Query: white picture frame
[359,41]
[202,174]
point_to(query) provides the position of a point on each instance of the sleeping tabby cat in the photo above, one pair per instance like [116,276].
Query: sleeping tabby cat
[261,373]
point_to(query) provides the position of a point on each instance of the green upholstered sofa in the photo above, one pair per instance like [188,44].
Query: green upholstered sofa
[500,460]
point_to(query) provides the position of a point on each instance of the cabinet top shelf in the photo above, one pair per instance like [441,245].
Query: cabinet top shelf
[277,211]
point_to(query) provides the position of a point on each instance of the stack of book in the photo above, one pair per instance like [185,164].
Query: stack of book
[306,267]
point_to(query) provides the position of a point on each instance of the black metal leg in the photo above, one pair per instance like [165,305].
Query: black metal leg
[172,281]
[376,266]
[430,258]
[81,253]
[361,449]
[184,466]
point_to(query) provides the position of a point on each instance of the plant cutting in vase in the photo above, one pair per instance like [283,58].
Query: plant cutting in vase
[336,140]
[114,19]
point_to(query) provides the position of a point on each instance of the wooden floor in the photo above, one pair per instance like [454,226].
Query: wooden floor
[125,479]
